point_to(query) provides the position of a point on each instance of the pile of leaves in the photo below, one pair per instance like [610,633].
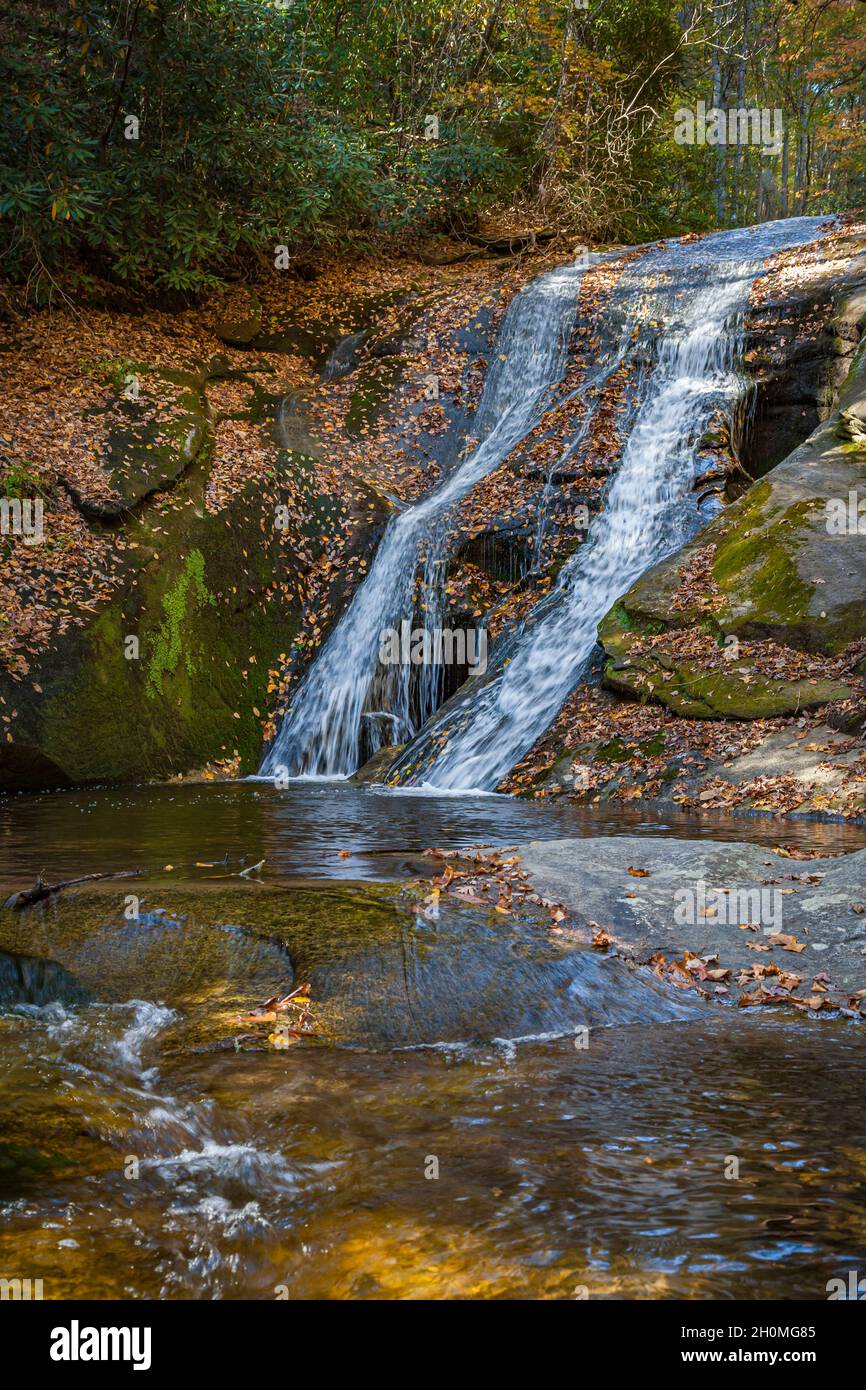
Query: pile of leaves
[761,984]
[288,1016]
[486,877]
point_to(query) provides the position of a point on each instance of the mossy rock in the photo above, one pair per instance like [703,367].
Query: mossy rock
[240,330]
[733,693]
[153,431]
[787,562]
[170,674]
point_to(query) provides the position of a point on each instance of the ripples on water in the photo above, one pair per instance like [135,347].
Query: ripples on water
[559,1169]
[303,830]
[303,1173]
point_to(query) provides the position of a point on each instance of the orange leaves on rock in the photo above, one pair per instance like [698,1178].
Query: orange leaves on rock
[787,942]
[491,878]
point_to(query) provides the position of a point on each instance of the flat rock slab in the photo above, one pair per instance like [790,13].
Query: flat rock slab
[471,976]
[674,903]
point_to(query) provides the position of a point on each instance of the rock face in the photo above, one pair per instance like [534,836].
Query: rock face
[219,497]
[168,674]
[152,431]
[798,344]
[670,905]
[786,563]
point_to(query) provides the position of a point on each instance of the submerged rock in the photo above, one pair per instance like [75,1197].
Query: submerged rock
[34,980]
[468,976]
[381,973]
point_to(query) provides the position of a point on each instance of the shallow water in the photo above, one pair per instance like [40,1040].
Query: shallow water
[558,1168]
[304,830]
[143,1155]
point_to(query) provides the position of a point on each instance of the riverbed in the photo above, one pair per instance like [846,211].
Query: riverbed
[435,1138]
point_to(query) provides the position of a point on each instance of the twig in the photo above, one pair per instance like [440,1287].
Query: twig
[42,890]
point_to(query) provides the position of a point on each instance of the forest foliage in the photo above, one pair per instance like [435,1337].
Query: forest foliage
[163,145]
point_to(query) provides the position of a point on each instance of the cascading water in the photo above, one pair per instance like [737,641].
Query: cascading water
[698,291]
[321,734]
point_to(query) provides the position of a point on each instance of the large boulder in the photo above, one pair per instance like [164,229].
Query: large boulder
[761,613]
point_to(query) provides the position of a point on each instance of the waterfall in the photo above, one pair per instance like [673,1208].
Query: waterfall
[321,733]
[698,292]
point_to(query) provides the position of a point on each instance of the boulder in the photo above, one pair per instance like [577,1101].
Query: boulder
[245,324]
[786,563]
[652,893]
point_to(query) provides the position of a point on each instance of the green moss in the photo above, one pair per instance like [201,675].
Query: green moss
[619,614]
[115,371]
[619,624]
[755,565]
[613,752]
[617,751]
[20,480]
[693,693]
[653,747]
[190,586]
[369,395]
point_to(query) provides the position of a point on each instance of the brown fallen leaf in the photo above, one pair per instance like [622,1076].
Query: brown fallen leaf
[787,943]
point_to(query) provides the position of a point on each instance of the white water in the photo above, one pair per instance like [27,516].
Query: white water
[320,734]
[649,508]
[682,304]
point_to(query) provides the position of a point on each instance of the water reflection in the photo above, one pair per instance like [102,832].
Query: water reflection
[558,1170]
[304,830]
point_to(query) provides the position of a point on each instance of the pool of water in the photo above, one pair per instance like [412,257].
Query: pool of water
[721,1158]
[325,830]
[485,1111]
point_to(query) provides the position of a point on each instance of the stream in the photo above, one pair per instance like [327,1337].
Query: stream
[446,1133]
[675,318]
[480,1104]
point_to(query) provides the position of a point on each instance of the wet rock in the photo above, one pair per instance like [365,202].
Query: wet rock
[469,976]
[787,562]
[382,974]
[375,769]
[799,371]
[645,913]
[35,980]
